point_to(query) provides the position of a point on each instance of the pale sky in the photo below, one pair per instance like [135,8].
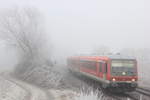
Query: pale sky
[81,25]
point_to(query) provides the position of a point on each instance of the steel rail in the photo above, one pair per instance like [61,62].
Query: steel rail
[132,97]
[143,91]
[144,88]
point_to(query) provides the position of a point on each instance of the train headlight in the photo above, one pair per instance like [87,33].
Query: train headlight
[113,79]
[133,80]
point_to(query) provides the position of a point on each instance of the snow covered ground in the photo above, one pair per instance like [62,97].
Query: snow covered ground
[72,95]
[35,92]
[14,89]
[63,94]
[11,91]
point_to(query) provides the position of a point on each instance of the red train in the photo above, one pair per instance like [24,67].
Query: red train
[117,72]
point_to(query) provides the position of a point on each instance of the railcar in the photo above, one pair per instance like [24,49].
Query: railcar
[116,73]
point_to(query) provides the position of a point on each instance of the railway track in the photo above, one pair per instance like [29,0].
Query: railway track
[140,93]
[143,91]
[107,94]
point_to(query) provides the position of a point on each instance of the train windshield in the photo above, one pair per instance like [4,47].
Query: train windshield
[123,63]
[123,67]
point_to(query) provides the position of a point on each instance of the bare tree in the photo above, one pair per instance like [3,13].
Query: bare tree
[23,29]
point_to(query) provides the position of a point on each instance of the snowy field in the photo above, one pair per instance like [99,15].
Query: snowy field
[14,89]
[11,91]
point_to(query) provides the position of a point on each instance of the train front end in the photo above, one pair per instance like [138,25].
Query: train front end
[124,75]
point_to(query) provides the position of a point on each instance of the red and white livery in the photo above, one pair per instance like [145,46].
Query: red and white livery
[117,72]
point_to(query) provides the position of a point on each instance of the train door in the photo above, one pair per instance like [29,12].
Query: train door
[100,69]
[104,68]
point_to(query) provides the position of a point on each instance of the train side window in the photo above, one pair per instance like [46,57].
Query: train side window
[82,63]
[105,67]
[100,67]
[90,65]
[93,66]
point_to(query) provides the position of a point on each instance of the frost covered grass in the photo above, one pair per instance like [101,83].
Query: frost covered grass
[44,76]
[90,95]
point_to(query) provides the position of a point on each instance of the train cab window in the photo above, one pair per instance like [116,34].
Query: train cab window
[100,67]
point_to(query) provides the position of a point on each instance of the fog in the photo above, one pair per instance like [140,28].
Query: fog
[8,57]
[78,26]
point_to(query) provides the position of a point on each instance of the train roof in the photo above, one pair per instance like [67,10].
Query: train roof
[105,57]
[121,57]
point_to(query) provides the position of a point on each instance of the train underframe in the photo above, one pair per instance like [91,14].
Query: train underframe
[120,86]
